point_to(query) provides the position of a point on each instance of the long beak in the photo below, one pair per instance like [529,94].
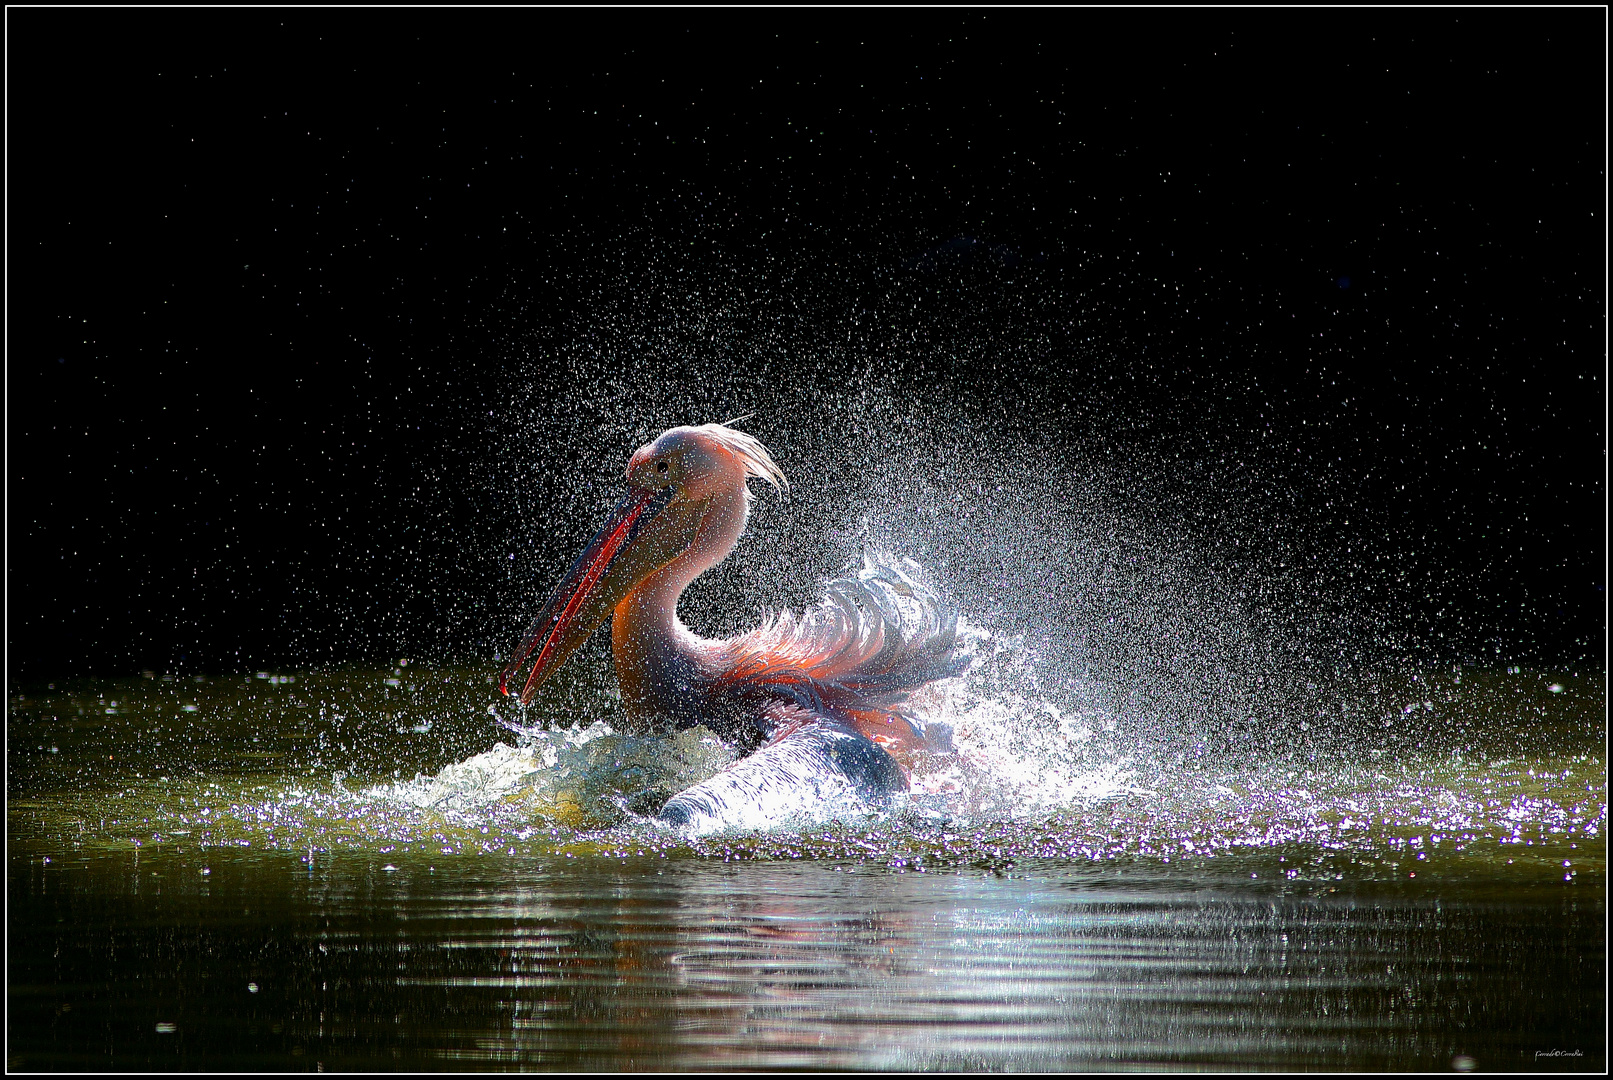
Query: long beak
[568,619]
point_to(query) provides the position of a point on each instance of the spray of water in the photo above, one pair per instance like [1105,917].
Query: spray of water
[1183,634]
[1150,601]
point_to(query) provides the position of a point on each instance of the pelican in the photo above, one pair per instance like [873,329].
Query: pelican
[816,702]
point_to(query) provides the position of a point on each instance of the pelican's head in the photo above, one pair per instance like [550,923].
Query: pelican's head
[681,500]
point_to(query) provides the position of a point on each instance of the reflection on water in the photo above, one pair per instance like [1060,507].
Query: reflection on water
[361,870]
[686,963]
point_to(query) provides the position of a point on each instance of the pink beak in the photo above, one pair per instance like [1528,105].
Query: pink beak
[554,632]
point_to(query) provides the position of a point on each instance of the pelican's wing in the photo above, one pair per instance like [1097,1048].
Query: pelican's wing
[814,764]
[878,634]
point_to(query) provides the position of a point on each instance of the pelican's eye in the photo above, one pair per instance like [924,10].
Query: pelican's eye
[660,466]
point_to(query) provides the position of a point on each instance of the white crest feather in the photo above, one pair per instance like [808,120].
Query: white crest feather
[758,462]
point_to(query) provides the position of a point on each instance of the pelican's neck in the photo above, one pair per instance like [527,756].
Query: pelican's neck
[657,657]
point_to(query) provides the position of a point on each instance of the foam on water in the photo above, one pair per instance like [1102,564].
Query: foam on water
[584,775]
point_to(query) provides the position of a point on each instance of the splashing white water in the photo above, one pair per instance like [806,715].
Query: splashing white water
[1017,754]
[584,775]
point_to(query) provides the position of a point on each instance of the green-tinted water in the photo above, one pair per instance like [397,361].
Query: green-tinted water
[360,870]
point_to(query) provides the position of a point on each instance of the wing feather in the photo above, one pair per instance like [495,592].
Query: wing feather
[878,634]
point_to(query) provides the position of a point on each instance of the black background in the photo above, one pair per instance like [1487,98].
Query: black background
[309,312]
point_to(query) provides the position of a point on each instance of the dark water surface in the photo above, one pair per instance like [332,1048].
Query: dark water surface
[248,873]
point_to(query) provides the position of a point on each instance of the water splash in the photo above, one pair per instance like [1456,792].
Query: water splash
[1492,773]
[1021,751]
[584,776]
[1017,754]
